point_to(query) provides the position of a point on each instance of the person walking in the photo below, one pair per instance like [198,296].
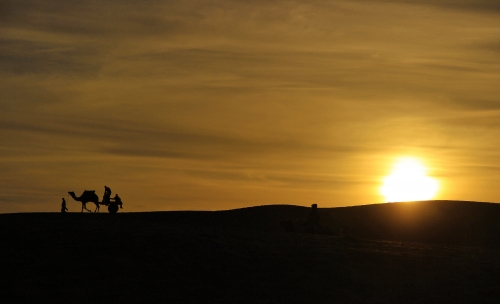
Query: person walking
[63,206]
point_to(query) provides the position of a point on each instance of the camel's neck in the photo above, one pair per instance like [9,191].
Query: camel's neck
[74,196]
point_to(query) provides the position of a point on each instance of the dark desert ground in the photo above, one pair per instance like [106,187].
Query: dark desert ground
[421,252]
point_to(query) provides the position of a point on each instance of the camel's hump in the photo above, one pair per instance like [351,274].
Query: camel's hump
[89,191]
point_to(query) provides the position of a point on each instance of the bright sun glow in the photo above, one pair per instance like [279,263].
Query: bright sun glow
[409,182]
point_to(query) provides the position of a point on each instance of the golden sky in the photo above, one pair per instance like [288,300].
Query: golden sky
[225,104]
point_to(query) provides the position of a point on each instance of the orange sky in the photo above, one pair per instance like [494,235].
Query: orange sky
[225,104]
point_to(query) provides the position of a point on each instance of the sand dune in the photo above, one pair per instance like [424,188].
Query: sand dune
[447,222]
[435,251]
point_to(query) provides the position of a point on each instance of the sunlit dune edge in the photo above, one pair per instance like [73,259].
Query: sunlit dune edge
[436,221]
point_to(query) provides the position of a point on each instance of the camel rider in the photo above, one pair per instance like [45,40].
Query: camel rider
[107,195]
[118,200]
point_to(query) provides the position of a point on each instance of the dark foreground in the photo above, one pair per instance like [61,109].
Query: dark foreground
[436,252]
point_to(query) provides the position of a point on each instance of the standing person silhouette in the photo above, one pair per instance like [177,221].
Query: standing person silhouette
[312,225]
[63,206]
[107,195]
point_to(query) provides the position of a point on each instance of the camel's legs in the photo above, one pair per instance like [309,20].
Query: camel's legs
[84,205]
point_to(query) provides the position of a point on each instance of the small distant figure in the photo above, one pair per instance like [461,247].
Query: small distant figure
[118,200]
[107,195]
[312,225]
[63,206]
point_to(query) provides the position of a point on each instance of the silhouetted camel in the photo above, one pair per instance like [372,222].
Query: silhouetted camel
[87,196]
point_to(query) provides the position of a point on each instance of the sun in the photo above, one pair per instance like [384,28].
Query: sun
[408,182]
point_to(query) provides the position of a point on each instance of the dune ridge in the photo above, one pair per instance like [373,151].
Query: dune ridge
[421,252]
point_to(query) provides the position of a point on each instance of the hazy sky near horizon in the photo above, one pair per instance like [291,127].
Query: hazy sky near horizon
[225,104]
